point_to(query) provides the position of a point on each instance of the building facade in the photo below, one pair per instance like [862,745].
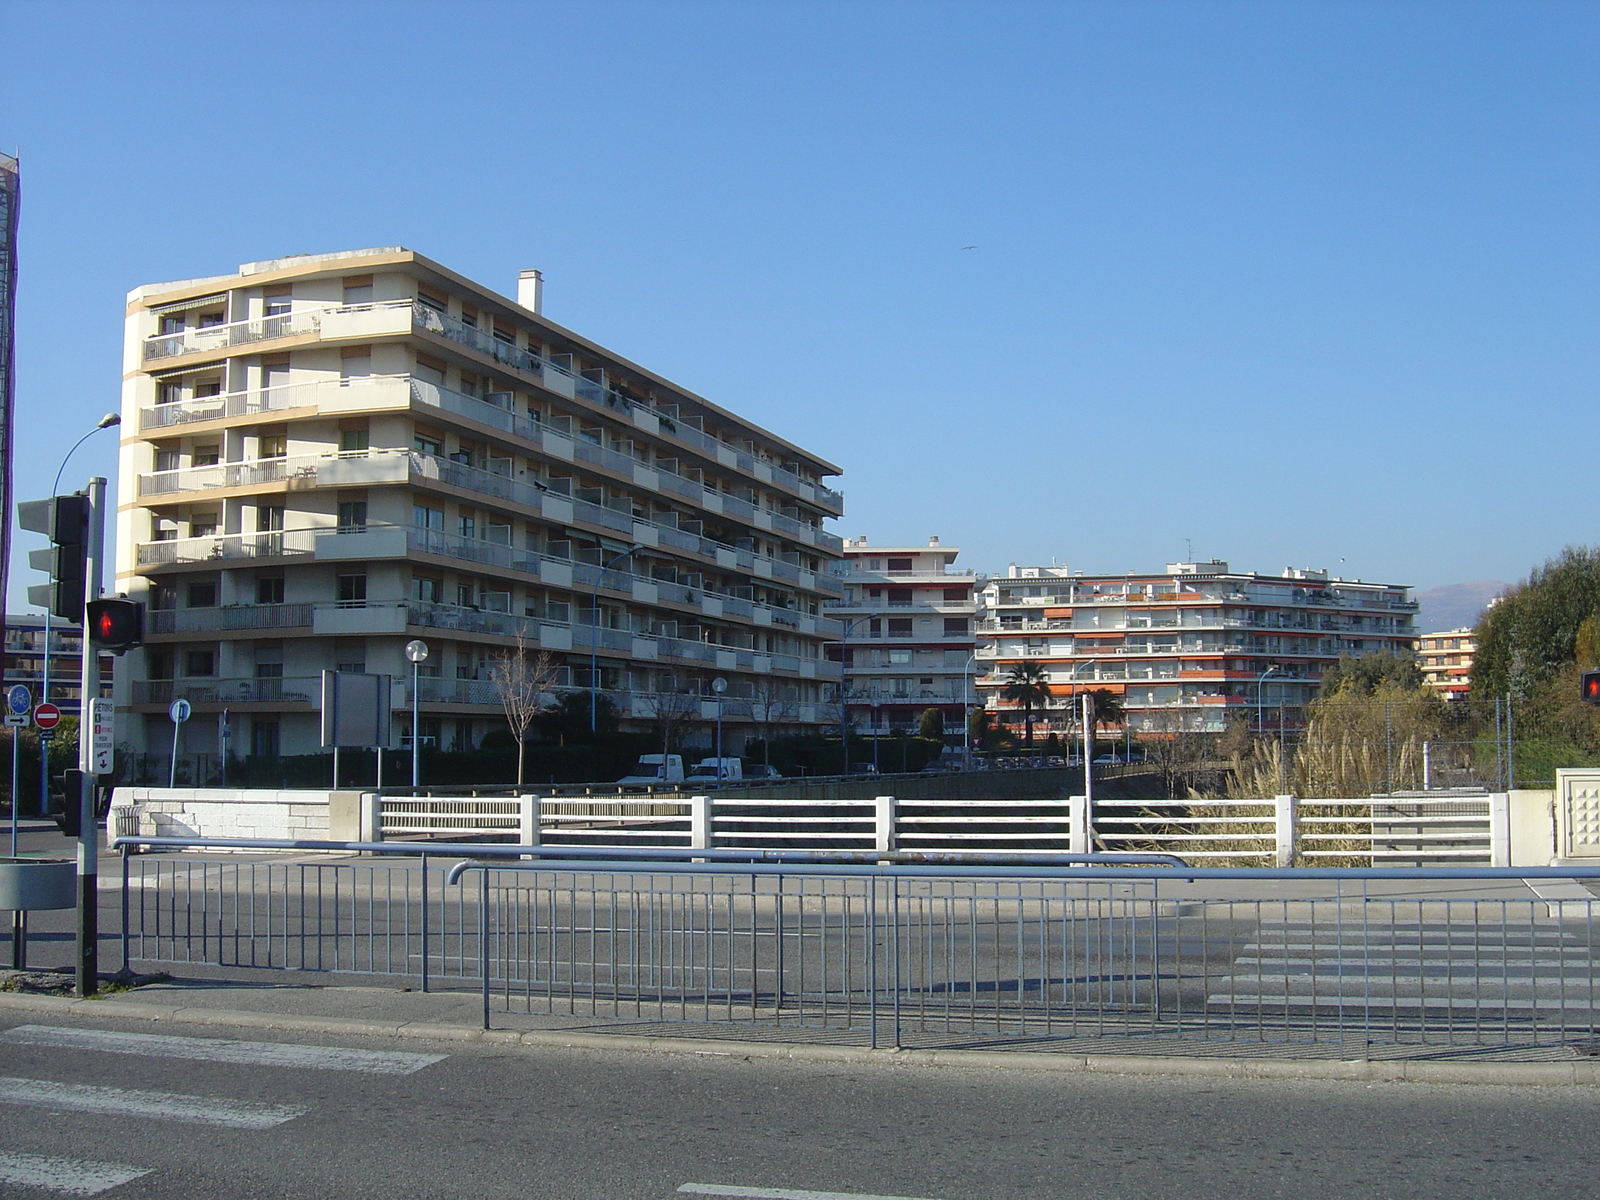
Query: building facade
[907,628]
[24,661]
[326,457]
[1445,660]
[1188,649]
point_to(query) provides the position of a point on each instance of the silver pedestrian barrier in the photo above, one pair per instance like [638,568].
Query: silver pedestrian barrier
[883,949]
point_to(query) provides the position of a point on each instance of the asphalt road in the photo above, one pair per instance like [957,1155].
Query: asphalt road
[531,1123]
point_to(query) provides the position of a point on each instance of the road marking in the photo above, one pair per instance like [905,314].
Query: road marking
[127,1102]
[260,1054]
[717,1189]
[64,1175]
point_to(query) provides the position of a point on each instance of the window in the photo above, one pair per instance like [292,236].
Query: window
[275,300]
[168,460]
[355,362]
[428,443]
[203,525]
[350,654]
[433,298]
[464,596]
[352,516]
[429,370]
[899,564]
[899,658]
[955,626]
[212,317]
[955,595]
[269,670]
[202,595]
[500,535]
[274,375]
[269,518]
[269,589]
[466,526]
[353,590]
[899,626]
[469,316]
[955,658]
[172,323]
[273,445]
[199,664]
[206,456]
[358,289]
[427,518]
[352,441]
[900,597]
[264,738]
[428,590]
[169,393]
[204,388]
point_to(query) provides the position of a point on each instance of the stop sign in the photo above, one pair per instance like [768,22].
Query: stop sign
[46,716]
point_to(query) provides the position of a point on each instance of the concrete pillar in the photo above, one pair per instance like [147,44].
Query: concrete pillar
[701,834]
[1499,829]
[1078,825]
[883,815]
[529,820]
[369,818]
[1284,831]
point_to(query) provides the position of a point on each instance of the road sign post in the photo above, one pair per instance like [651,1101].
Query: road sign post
[19,702]
[179,711]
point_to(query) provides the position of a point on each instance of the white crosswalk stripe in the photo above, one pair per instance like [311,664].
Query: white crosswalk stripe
[67,1176]
[717,1189]
[130,1102]
[265,1054]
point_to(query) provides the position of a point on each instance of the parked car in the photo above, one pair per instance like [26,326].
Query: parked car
[863,769]
[761,771]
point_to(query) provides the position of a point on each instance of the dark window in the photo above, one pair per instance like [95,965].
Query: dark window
[264,738]
[899,564]
[899,626]
[900,597]
[269,589]
[954,626]
[353,589]
[955,595]
[199,663]
[352,516]
[202,595]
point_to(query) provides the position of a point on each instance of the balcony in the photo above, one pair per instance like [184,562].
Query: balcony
[328,395]
[296,690]
[227,618]
[286,543]
[330,321]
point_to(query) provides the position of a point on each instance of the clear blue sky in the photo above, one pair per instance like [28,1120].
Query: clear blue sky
[1301,282]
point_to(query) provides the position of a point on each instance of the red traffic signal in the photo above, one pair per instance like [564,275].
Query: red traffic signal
[1589,687]
[115,624]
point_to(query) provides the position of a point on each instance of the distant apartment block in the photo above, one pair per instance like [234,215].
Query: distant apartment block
[907,635]
[1445,660]
[1187,649]
[327,456]
[24,661]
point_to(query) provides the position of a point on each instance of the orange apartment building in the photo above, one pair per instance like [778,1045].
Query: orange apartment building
[1187,649]
[1445,660]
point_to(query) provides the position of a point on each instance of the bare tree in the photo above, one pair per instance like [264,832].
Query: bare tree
[671,709]
[524,681]
[773,701]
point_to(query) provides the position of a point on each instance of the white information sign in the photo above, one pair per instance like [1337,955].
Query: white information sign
[102,737]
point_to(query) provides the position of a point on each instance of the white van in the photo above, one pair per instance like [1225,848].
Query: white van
[705,771]
[655,770]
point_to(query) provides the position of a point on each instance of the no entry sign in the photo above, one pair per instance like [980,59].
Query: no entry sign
[47,716]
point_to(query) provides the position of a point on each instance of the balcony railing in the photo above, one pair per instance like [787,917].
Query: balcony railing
[293,690]
[228,617]
[370,391]
[274,544]
[238,333]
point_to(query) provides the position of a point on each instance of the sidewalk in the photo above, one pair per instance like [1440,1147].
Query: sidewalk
[456,1016]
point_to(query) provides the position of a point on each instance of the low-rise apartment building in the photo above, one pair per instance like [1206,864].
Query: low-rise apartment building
[1187,649]
[326,457]
[1445,660]
[907,635]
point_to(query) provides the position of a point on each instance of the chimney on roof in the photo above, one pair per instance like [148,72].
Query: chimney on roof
[530,291]
[933,541]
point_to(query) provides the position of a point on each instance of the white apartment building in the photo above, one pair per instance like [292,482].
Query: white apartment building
[907,622]
[1186,649]
[327,456]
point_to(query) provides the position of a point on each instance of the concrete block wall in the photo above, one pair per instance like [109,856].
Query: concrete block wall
[230,813]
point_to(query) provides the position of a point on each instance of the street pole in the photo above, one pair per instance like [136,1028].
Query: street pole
[88,964]
[416,653]
[1088,758]
[966,712]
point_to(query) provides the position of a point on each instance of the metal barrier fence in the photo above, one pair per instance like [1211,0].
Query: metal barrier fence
[1349,962]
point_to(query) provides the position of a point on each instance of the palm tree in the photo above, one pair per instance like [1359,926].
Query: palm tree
[1029,686]
[1105,709]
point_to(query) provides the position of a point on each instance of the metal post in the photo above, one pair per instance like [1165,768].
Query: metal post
[483,937]
[88,958]
[16,798]
[1427,766]
[44,698]
[1088,763]
[424,923]
[172,766]
[1511,749]
[416,728]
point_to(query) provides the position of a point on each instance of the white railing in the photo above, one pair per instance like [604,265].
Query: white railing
[363,392]
[274,544]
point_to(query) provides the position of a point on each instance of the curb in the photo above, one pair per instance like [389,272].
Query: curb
[1577,1073]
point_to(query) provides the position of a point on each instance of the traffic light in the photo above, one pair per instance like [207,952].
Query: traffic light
[65,521]
[70,819]
[1589,687]
[116,624]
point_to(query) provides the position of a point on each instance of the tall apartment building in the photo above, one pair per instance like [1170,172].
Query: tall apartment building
[1187,649]
[327,456]
[907,635]
[1445,660]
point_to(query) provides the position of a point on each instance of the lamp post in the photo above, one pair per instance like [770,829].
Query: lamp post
[416,652]
[106,422]
[594,634]
[1073,708]
[966,712]
[1260,683]
[718,686]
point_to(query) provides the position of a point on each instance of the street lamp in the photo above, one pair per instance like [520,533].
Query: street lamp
[416,652]
[844,695]
[1260,719]
[106,422]
[718,686]
[594,634]
[966,712]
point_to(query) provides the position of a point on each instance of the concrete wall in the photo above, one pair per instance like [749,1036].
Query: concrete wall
[231,813]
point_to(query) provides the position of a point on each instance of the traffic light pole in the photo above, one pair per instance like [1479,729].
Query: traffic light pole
[88,958]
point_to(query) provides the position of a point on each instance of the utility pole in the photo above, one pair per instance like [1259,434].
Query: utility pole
[88,958]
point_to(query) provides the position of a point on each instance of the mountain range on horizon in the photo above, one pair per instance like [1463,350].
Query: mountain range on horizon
[1455,605]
